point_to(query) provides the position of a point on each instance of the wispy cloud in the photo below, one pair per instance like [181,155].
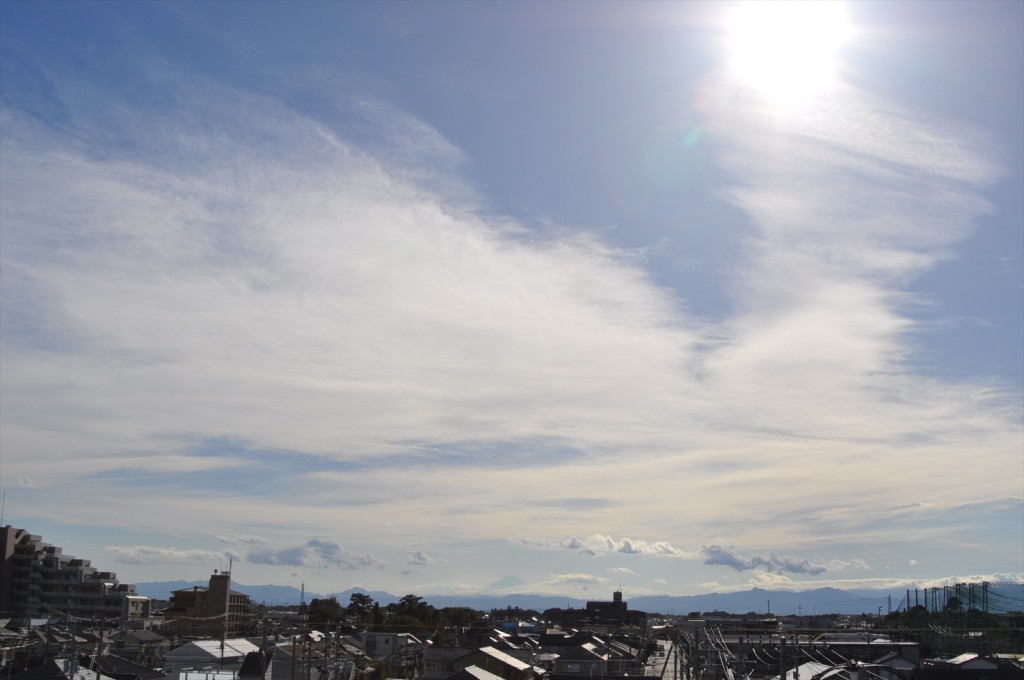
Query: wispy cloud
[315,553]
[718,555]
[145,554]
[579,579]
[418,558]
[234,271]
[599,544]
[333,276]
[777,581]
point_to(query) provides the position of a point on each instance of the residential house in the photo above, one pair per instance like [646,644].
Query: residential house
[60,669]
[497,662]
[227,654]
[334,657]
[438,662]
[900,667]
[558,641]
[587,660]
[473,673]
[403,652]
[119,668]
[143,646]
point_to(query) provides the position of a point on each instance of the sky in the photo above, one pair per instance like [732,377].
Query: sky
[548,297]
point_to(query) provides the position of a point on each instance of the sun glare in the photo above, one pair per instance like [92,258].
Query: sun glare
[787,50]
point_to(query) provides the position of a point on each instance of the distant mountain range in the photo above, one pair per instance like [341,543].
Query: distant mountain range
[756,600]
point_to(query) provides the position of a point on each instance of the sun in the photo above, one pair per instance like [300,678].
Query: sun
[786,50]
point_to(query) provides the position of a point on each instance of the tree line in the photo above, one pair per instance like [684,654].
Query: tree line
[409,613]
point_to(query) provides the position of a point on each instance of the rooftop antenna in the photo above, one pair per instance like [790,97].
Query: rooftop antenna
[3,502]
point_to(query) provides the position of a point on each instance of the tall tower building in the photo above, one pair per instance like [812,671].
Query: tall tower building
[211,611]
[38,578]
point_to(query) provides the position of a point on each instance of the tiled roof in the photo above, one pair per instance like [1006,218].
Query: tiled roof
[201,651]
[117,666]
[65,670]
[585,652]
[505,658]
[473,673]
[438,654]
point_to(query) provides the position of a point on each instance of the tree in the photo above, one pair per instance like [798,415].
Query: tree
[514,614]
[359,605]
[410,602]
[376,616]
[918,613]
[412,612]
[327,610]
[461,616]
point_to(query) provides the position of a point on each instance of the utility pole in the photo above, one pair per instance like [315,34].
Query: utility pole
[309,656]
[99,650]
[782,657]
[796,665]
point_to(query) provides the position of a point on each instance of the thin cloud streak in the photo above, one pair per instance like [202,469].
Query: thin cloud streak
[599,544]
[145,554]
[776,564]
[775,581]
[314,553]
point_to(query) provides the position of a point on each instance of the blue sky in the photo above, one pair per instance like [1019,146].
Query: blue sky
[442,297]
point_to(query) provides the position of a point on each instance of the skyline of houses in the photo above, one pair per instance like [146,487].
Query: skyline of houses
[214,632]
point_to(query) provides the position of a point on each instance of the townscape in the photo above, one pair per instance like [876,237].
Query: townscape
[546,340]
[64,619]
